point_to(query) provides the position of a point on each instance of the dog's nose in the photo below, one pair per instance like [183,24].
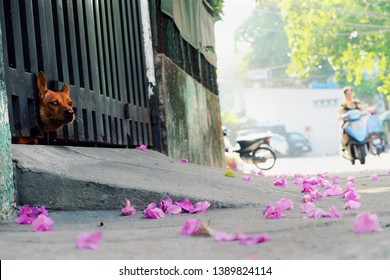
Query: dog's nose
[69,114]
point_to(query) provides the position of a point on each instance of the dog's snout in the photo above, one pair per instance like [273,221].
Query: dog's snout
[69,114]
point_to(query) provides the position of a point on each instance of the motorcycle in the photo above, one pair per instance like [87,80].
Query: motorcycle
[358,139]
[377,143]
[256,148]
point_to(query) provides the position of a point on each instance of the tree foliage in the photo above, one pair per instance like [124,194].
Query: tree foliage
[353,36]
[264,32]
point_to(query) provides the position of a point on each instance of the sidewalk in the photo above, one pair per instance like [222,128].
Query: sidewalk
[95,183]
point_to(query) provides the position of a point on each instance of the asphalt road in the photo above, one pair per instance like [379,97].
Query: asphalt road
[313,165]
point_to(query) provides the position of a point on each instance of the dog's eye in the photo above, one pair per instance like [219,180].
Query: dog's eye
[54,103]
[70,103]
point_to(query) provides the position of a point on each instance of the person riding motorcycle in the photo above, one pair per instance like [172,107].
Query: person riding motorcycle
[374,125]
[350,103]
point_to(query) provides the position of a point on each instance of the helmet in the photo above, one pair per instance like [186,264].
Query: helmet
[373,110]
[347,88]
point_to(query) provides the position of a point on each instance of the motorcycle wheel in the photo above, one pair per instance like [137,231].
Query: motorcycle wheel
[264,158]
[362,154]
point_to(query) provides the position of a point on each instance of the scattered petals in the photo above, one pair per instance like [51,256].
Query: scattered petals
[153,212]
[39,210]
[186,205]
[273,212]
[24,219]
[281,183]
[316,214]
[173,210]
[142,148]
[333,213]
[184,160]
[128,210]
[352,195]
[366,222]
[284,204]
[352,204]
[194,227]
[248,179]
[255,239]
[200,207]
[43,223]
[374,177]
[315,194]
[307,198]
[351,179]
[89,241]
[223,236]
[307,207]
[335,180]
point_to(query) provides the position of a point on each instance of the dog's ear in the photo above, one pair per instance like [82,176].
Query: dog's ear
[66,89]
[42,84]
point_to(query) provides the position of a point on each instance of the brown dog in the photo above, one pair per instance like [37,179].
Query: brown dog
[55,107]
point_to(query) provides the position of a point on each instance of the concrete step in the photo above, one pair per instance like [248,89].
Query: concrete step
[80,178]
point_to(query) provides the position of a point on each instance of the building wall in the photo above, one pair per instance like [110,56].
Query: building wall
[189,116]
[6,172]
[313,112]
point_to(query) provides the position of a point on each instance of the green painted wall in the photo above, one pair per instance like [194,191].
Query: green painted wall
[190,116]
[6,171]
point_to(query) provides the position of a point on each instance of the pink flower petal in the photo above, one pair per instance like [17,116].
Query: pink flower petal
[335,180]
[351,179]
[273,212]
[255,239]
[36,211]
[307,198]
[224,236]
[184,160]
[88,241]
[24,219]
[307,207]
[316,194]
[200,207]
[374,177]
[352,204]
[42,223]
[281,183]
[248,179]
[352,195]
[366,222]
[185,204]
[192,227]
[316,214]
[333,213]
[153,212]
[307,188]
[128,210]
[284,204]
[25,210]
[173,210]
[165,203]
[142,148]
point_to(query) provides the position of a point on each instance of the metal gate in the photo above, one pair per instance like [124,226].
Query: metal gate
[96,47]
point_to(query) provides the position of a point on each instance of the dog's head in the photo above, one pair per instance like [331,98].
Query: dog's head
[55,107]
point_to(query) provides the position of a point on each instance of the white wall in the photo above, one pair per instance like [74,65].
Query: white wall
[298,109]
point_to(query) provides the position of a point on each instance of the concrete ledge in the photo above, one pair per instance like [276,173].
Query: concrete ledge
[73,178]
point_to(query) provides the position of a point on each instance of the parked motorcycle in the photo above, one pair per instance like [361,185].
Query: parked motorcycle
[256,148]
[358,139]
[377,143]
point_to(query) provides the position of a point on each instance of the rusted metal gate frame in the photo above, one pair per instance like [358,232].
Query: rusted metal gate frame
[93,45]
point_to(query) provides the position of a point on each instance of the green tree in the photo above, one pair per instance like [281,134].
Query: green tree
[351,35]
[264,32]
